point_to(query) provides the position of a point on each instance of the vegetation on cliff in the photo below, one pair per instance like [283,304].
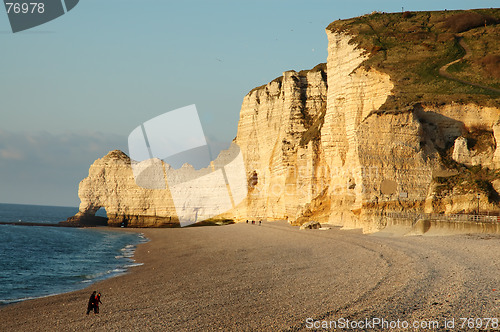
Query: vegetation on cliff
[412,47]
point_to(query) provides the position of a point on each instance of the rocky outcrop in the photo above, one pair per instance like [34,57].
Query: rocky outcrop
[111,185]
[311,225]
[461,153]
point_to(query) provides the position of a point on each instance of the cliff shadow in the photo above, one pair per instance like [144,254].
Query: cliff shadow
[440,129]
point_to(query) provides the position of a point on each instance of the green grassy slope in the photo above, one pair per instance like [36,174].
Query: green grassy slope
[412,46]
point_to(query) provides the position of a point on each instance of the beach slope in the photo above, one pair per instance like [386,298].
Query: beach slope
[246,277]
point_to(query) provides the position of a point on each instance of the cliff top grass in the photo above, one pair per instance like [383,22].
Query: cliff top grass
[412,47]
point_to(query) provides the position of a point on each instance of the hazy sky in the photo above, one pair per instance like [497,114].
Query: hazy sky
[74,88]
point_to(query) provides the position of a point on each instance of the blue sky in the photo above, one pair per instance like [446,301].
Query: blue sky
[74,88]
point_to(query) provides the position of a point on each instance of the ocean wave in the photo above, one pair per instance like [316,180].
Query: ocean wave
[118,270]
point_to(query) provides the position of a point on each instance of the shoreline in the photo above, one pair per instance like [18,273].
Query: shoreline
[79,296]
[124,260]
[275,277]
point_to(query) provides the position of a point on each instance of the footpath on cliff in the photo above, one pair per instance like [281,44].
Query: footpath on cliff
[443,71]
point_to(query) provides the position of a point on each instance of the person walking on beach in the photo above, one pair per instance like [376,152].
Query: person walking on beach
[91,305]
[97,301]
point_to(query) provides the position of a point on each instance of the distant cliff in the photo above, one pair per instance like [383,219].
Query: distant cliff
[111,184]
[375,129]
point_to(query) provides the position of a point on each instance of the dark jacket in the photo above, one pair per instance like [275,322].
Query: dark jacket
[92,300]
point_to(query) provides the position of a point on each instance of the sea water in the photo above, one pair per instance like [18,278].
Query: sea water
[37,261]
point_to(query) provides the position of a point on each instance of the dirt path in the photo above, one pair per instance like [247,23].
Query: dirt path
[444,73]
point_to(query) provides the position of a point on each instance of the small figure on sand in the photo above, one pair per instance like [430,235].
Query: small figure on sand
[91,305]
[97,301]
[260,222]
[94,300]
[247,221]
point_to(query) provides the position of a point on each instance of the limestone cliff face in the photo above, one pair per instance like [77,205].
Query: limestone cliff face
[111,184]
[317,145]
[279,135]
[188,196]
[365,160]
[354,92]
[388,160]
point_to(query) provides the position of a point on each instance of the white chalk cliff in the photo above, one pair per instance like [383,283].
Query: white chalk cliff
[317,146]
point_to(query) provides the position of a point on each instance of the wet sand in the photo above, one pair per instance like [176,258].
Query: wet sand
[273,277]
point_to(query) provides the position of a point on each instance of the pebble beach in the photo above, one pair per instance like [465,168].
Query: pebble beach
[275,277]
